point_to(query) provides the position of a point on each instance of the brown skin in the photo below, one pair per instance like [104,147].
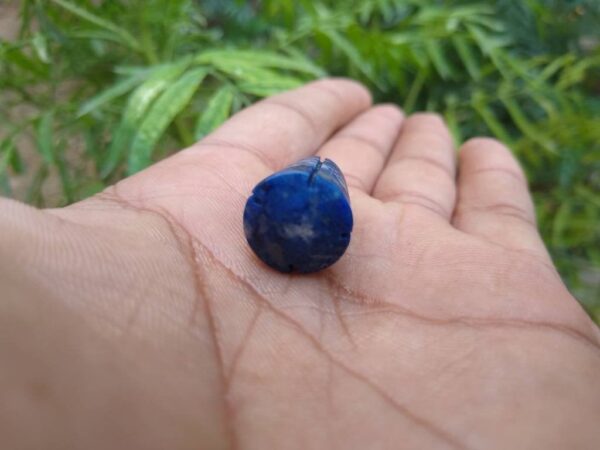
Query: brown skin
[140,319]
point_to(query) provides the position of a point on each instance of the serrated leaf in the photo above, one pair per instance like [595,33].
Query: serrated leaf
[106,96]
[137,105]
[243,70]
[258,81]
[266,89]
[126,37]
[167,106]
[159,79]
[262,58]
[216,112]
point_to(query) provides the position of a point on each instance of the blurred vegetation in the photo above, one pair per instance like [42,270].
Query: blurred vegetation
[103,88]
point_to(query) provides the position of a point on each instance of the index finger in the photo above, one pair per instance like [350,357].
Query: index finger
[289,126]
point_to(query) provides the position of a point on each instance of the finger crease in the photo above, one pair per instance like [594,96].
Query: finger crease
[503,209]
[339,98]
[432,162]
[417,199]
[307,118]
[519,177]
[356,182]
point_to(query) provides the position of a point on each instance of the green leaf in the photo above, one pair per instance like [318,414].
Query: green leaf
[560,223]
[465,52]
[257,80]
[7,149]
[479,103]
[126,37]
[575,73]
[10,157]
[437,55]
[19,58]
[487,42]
[90,188]
[415,89]
[137,105]
[16,162]
[45,137]
[450,114]
[556,65]
[269,86]
[63,173]
[167,106]
[116,90]
[351,52]
[529,129]
[216,112]
[5,186]
[262,58]
[308,66]
[41,47]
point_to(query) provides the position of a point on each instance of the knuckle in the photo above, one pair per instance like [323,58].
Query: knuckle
[511,210]
[503,209]
[415,199]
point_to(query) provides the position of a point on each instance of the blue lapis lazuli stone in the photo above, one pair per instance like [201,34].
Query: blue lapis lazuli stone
[299,219]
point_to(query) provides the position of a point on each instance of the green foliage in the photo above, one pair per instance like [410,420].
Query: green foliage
[216,112]
[110,86]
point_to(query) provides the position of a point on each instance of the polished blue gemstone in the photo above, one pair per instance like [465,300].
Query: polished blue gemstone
[299,219]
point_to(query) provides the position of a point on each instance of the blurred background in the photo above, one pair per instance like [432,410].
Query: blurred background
[92,90]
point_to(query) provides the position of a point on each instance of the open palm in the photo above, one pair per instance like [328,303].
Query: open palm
[445,324]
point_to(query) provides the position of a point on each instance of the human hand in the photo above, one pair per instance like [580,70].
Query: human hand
[140,318]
